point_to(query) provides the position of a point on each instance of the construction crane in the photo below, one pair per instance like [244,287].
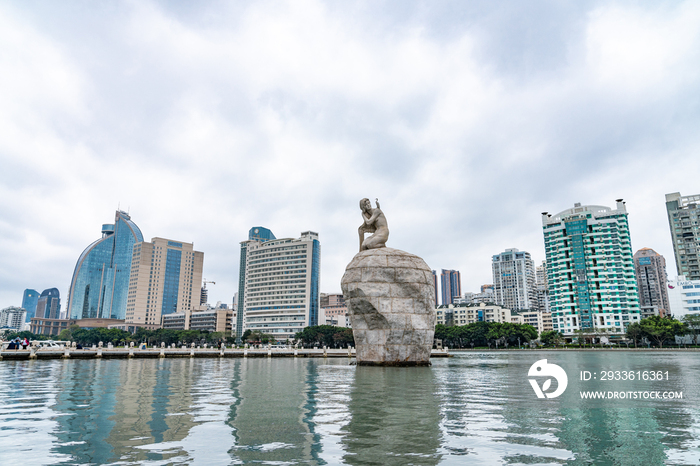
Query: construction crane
[204,297]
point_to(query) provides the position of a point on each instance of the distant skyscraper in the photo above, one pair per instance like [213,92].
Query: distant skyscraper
[29,302]
[280,294]
[451,286]
[49,304]
[684,221]
[590,269]
[514,280]
[166,278]
[436,287]
[650,271]
[100,283]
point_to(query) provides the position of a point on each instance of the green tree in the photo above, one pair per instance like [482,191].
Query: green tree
[693,323]
[551,337]
[659,329]
[634,332]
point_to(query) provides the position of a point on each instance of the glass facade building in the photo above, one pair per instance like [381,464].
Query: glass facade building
[29,302]
[279,285]
[451,286]
[590,270]
[100,283]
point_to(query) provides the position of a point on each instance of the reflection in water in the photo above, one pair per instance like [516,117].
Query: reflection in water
[474,408]
[394,417]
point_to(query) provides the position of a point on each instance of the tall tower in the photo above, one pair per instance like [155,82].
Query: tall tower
[590,269]
[684,222]
[280,277]
[30,298]
[650,271]
[514,280]
[100,283]
[451,284]
[166,277]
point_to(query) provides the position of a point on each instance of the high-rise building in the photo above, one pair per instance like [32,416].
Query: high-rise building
[650,271]
[541,285]
[435,284]
[451,286]
[280,278]
[684,221]
[30,298]
[514,280]
[12,318]
[590,269]
[49,304]
[260,234]
[100,284]
[166,278]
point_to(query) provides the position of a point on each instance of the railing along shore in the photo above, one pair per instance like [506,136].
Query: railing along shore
[181,352]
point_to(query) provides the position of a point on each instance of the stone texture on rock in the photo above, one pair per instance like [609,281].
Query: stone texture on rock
[391,301]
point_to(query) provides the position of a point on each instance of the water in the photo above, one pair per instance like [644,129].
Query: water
[475,408]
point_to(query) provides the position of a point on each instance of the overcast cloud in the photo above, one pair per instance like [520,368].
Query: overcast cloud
[465,119]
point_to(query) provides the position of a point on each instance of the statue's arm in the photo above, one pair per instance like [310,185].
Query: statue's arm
[375,215]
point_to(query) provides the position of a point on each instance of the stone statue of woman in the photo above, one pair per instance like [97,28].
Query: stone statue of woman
[374,222]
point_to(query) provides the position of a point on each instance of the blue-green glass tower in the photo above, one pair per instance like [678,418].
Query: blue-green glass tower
[100,283]
[29,301]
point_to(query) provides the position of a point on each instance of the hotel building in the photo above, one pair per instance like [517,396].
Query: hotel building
[279,284]
[590,269]
[166,278]
[683,219]
[514,280]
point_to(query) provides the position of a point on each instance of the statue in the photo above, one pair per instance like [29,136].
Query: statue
[374,222]
[390,297]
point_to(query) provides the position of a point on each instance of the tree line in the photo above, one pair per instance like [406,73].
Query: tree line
[656,330]
[485,334]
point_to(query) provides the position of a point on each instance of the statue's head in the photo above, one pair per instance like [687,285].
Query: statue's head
[365,205]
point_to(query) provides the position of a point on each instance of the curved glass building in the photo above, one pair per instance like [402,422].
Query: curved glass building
[100,283]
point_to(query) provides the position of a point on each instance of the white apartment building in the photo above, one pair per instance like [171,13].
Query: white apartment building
[514,280]
[280,281]
[12,318]
[465,314]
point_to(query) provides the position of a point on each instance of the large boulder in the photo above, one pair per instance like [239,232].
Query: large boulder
[391,303]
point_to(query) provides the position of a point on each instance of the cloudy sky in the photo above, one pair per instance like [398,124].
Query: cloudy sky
[465,119]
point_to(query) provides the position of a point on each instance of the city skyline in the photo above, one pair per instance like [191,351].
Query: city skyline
[165,108]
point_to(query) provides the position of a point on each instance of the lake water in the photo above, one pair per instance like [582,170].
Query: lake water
[474,408]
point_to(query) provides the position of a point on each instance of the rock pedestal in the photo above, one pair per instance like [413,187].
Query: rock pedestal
[391,303]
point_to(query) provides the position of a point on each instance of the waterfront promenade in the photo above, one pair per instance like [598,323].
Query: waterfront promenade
[182,352]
